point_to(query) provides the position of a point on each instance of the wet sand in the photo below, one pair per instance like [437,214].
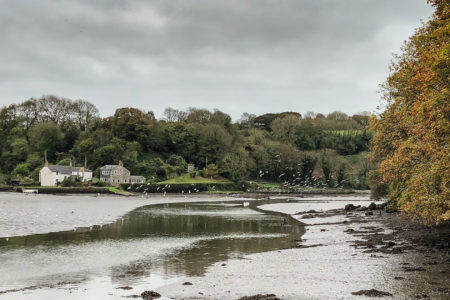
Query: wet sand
[341,253]
[22,214]
[338,257]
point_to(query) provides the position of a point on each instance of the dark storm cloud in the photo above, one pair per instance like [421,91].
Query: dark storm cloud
[254,56]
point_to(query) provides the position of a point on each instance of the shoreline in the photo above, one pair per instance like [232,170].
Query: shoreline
[67,212]
[111,191]
[373,253]
[342,253]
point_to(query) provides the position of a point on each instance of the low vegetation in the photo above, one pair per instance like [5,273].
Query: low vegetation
[186,178]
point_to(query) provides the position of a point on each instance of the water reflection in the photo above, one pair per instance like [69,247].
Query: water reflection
[167,241]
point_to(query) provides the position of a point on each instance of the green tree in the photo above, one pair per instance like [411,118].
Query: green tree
[284,129]
[235,165]
[131,124]
[46,137]
[21,170]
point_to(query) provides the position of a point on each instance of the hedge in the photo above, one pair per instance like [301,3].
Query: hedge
[5,188]
[68,190]
[184,187]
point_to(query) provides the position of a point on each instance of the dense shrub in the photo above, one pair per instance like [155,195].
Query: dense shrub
[185,187]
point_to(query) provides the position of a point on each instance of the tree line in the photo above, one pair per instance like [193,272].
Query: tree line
[282,147]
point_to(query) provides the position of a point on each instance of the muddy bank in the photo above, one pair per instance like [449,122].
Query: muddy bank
[230,251]
[343,255]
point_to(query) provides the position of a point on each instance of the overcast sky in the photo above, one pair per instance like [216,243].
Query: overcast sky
[238,56]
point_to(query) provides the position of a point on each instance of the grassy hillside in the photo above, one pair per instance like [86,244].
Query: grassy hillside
[185,178]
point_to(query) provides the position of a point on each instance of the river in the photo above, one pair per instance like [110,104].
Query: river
[224,247]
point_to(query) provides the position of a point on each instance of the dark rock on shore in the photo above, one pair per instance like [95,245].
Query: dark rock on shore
[411,269]
[124,288]
[310,246]
[187,283]
[423,296]
[308,216]
[372,206]
[372,293]
[150,295]
[261,297]
[350,207]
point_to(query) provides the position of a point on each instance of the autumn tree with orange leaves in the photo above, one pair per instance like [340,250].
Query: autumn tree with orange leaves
[412,135]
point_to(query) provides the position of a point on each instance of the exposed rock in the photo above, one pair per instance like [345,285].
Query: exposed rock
[150,295]
[362,208]
[309,216]
[411,269]
[369,213]
[261,297]
[423,296]
[350,207]
[382,205]
[372,293]
[389,244]
[124,288]
[187,283]
[372,206]
[443,290]
[310,246]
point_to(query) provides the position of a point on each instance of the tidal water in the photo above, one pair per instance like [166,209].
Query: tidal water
[147,248]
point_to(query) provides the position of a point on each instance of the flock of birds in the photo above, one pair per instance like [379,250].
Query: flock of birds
[294,179]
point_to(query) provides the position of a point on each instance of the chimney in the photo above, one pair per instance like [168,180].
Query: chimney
[82,172]
[46,163]
[70,164]
[120,163]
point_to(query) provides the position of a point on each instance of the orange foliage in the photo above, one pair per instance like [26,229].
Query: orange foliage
[412,135]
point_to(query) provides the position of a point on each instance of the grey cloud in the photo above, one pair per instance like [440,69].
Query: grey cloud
[255,55]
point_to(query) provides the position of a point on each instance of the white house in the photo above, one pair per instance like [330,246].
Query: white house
[52,175]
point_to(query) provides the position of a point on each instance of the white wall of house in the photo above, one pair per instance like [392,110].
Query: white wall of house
[49,178]
[87,175]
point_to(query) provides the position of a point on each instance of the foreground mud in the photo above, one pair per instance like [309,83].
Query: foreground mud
[323,247]
[343,255]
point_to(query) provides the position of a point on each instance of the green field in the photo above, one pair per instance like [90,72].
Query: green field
[269,185]
[346,132]
[186,178]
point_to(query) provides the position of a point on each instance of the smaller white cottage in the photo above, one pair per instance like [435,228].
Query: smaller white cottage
[52,175]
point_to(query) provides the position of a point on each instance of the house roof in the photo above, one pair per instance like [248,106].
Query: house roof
[109,167]
[66,169]
[61,169]
[137,177]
